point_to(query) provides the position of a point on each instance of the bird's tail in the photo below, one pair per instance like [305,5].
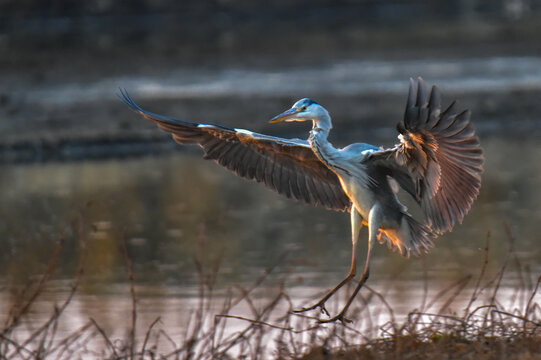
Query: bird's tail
[412,237]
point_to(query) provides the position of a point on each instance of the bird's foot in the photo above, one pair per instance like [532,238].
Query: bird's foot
[319,305]
[340,317]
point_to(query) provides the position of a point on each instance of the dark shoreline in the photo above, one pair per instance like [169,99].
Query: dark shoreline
[113,131]
[80,44]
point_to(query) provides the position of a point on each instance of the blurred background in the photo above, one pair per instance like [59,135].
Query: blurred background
[69,149]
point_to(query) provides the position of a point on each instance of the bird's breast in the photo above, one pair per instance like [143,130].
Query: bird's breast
[359,194]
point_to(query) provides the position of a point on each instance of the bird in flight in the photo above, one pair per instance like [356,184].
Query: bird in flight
[438,161]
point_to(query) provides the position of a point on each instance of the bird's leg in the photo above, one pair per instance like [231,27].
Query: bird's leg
[356,225]
[374,221]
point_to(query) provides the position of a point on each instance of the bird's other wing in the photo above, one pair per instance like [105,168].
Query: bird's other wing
[358,151]
[438,161]
[287,166]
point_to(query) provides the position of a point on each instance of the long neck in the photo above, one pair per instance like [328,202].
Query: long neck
[319,143]
[321,126]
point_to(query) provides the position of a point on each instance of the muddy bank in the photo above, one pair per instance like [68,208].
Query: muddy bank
[34,128]
[108,128]
[238,65]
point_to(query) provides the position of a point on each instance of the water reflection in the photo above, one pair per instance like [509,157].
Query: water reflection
[174,208]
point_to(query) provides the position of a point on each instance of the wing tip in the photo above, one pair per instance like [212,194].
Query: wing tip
[125,97]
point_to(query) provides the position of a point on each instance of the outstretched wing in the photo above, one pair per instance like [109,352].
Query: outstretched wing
[287,166]
[438,160]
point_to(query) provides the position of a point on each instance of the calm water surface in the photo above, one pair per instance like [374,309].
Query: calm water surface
[173,209]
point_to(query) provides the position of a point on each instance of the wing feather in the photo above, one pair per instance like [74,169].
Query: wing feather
[287,166]
[439,159]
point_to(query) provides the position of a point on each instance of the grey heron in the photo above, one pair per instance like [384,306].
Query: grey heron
[438,161]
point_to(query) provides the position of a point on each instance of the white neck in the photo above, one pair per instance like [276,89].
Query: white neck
[319,143]
[322,121]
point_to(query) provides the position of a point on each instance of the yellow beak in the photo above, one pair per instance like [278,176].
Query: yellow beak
[284,116]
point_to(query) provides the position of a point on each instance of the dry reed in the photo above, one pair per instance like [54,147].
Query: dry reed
[488,331]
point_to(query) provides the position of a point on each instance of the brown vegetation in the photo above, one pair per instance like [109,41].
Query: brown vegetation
[489,331]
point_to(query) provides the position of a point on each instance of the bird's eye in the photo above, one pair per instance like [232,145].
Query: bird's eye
[303,108]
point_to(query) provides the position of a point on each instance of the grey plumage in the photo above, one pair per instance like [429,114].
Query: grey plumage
[287,166]
[438,161]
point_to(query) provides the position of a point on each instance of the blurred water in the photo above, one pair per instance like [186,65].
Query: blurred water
[175,208]
[342,78]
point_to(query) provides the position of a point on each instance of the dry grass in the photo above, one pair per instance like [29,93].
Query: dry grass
[489,331]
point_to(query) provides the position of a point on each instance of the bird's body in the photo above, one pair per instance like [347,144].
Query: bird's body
[368,187]
[438,162]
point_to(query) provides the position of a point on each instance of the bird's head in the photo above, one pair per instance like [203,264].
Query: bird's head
[304,110]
